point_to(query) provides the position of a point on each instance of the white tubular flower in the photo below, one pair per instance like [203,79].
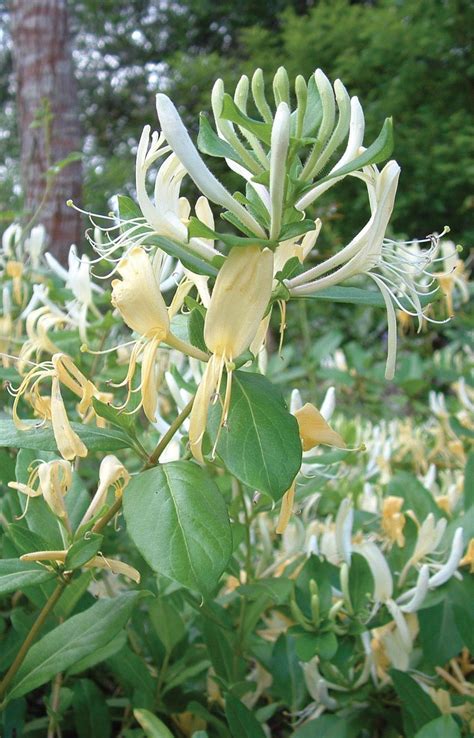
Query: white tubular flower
[344,522]
[429,537]
[280,141]
[34,244]
[383,582]
[97,562]
[398,272]
[178,138]
[10,239]
[329,404]
[419,591]
[447,570]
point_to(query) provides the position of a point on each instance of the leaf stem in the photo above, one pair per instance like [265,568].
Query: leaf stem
[35,629]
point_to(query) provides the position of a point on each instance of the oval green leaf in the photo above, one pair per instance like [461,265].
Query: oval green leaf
[178,520]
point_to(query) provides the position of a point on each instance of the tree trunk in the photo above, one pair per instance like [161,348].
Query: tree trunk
[45,77]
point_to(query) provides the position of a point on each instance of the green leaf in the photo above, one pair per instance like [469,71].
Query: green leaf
[41,437]
[178,520]
[308,645]
[460,429]
[83,550]
[167,623]
[209,142]
[115,417]
[439,636]
[442,727]
[415,701]
[230,111]
[288,679]
[153,726]
[99,655]
[133,673]
[469,482]
[331,726]
[260,444]
[277,589]
[71,641]
[242,723]
[91,714]
[16,575]
[378,151]
[198,229]
[361,582]
[58,166]
[295,229]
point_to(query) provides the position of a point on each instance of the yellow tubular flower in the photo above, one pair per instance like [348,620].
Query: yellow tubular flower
[98,562]
[14,269]
[68,442]
[239,300]
[393,520]
[315,430]
[111,473]
[51,479]
[138,298]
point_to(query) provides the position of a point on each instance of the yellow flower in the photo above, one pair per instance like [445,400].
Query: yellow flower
[393,520]
[239,300]
[97,562]
[314,430]
[51,479]
[111,473]
[138,298]
[468,559]
[60,370]
[14,269]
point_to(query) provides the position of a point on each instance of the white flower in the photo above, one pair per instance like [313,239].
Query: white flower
[398,272]
[34,244]
[10,240]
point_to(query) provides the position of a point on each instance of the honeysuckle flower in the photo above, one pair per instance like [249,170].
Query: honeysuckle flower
[393,520]
[38,324]
[34,244]
[51,479]
[429,537]
[78,280]
[138,298]
[239,299]
[97,562]
[453,278]
[178,139]
[6,326]
[112,473]
[60,370]
[314,430]
[10,239]
[14,270]
[468,558]
[391,265]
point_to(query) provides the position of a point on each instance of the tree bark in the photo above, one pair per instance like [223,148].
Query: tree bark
[45,75]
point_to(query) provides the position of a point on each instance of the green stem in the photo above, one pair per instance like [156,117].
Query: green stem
[164,441]
[35,629]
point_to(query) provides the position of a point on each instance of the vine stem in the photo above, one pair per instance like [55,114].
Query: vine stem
[109,515]
[35,629]
[175,425]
